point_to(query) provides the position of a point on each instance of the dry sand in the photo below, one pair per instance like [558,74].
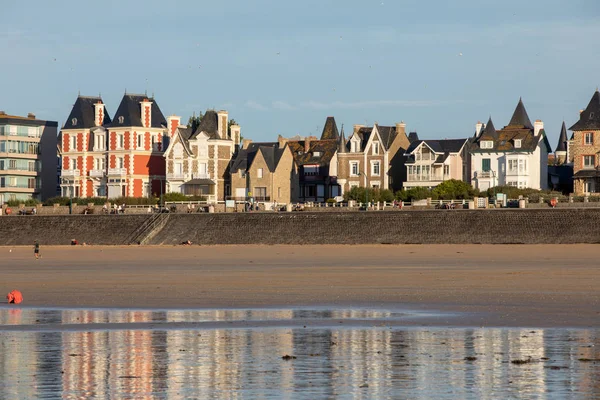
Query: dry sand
[490,285]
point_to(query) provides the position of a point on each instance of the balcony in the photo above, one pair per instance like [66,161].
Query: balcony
[200,176]
[175,175]
[117,171]
[425,178]
[485,174]
[514,172]
[70,173]
[97,173]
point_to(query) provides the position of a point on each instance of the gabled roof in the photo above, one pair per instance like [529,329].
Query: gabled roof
[387,135]
[208,125]
[131,111]
[562,139]
[270,151]
[413,136]
[520,117]
[590,117]
[330,130]
[83,113]
[439,146]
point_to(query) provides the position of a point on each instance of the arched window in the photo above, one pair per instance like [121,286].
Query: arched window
[74,121]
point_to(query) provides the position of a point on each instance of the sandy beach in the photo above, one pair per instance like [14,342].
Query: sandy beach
[490,285]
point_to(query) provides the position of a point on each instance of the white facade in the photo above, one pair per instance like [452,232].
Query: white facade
[519,169]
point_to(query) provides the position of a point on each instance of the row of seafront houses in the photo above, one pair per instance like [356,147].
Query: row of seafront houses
[139,153]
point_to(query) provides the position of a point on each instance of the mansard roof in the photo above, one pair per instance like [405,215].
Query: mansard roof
[131,111]
[208,125]
[589,119]
[330,130]
[562,139]
[520,117]
[83,113]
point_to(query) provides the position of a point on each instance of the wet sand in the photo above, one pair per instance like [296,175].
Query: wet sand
[490,285]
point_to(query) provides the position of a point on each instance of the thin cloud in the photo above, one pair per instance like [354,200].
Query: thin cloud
[282,105]
[255,105]
[374,103]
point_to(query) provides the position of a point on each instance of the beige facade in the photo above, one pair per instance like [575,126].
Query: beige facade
[265,172]
[584,150]
[431,162]
[198,161]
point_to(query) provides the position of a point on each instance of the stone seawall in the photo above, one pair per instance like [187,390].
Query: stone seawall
[439,226]
[60,229]
[529,226]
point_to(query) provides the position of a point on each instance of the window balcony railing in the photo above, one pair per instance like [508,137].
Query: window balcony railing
[421,178]
[18,185]
[511,172]
[175,175]
[117,171]
[200,176]
[70,172]
[484,174]
[97,173]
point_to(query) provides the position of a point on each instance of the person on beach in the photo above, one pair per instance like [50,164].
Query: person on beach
[36,249]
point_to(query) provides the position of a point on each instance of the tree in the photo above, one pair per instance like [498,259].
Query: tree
[454,190]
[194,120]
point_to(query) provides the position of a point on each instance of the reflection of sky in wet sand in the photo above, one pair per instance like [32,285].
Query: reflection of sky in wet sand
[247,363]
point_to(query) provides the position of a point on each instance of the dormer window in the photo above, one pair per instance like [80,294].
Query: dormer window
[316,154]
[121,119]
[591,115]
[74,121]
[487,144]
[517,143]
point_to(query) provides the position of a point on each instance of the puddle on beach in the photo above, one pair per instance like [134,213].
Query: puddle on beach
[50,353]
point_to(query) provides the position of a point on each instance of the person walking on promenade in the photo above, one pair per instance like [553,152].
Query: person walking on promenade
[36,249]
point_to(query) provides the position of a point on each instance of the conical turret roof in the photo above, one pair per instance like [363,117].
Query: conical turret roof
[590,117]
[520,117]
[562,139]
[342,142]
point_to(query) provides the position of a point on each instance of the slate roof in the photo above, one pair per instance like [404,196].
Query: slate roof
[439,146]
[413,136]
[489,132]
[342,142]
[270,150]
[586,173]
[200,182]
[208,125]
[589,119]
[326,148]
[131,111]
[330,130]
[84,112]
[387,134]
[520,117]
[562,139]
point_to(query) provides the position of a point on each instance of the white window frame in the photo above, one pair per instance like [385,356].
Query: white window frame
[140,141]
[354,164]
[120,141]
[99,142]
[373,164]
[446,171]
[593,159]
[487,144]
[517,143]
[589,135]
[73,142]
[376,148]
[120,162]
[259,173]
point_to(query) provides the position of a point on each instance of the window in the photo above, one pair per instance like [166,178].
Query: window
[99,142]
[242,173]
[120,162]
[589,161]
[512,183]
[73,143]
[589,138]
[517,143]
[316,154]
[522,166]
[487,144]
[120,141]
[446,170]
[74,121]
[486,165]
[140,141]
[354,169]
[311,170]
[99,163]
[31,166]
[259,173]
[73,163]
[376,148]
[260,193]
[375,168]
[513,166]
[588,186]
[12,164]
[121,119]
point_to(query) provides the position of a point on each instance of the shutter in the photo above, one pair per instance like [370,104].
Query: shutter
[485,164]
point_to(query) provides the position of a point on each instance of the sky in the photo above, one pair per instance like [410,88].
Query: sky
[282,67]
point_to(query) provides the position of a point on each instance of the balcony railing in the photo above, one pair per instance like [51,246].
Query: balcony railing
[117,171]
[70,172]
[97,173]
[484,174]
[429,178]
[175,175]
[515,172]
[200,176]
[18,185]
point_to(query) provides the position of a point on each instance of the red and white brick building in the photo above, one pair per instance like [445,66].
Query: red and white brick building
[118,157]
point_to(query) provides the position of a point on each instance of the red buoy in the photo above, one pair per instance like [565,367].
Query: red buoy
[14,297]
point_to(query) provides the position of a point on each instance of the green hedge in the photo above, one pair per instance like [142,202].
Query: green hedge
[27,203]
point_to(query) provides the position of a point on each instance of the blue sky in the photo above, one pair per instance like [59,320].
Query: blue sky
[282,67]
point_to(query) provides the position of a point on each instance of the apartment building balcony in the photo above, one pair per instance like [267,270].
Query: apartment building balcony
[175,176]
[70,173]
[200,176]
[485,174]
[97,173]
[117,171]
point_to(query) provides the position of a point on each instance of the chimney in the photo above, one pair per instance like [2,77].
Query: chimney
[357,128]
[146,113]
[223,119]
[538,125]
[31,115]
[98,113]
[246,143]
[478,127]
[236,134]
[281,141]
[580,111]
[401,128]
[307,143]
[172,123]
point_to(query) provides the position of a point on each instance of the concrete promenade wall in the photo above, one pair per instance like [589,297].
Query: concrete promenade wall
[439,226]
[532,226]
[60,229]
